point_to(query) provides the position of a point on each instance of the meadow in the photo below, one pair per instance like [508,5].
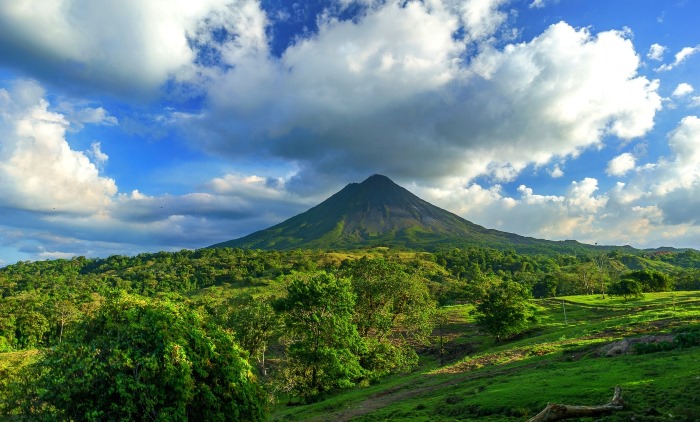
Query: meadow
[556,361]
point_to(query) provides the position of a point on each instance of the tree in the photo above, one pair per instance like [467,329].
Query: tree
[141,358]
[393,310]
[504,309]
[590,276]
[254,322]
[627,287]
[651,281]
[323,342]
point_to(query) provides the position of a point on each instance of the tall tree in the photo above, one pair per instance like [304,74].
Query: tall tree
[254,322]
[393,311]
[323,343]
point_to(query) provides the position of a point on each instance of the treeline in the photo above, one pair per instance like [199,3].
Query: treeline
[39,299]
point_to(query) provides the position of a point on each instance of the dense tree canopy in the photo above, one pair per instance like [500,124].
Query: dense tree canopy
[145,359]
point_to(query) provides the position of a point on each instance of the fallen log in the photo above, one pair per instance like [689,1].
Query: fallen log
[558,412]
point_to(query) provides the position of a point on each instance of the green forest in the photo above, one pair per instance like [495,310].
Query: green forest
[234,334]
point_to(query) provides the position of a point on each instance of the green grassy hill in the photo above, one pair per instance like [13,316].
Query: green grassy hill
[555,362]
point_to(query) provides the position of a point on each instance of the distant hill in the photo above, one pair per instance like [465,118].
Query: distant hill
[378,212]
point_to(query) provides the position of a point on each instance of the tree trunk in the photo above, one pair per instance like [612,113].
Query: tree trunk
[558,412]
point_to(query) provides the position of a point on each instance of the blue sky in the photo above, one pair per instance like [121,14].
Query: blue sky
[137,126]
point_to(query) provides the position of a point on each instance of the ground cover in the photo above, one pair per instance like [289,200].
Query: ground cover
[557,360]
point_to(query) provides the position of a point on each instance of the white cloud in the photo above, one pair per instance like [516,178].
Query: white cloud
[682,90]
[96,152]
[656,52]
[127,47]
[556,172]
[394,80]
[94,115]
[680,57]
[39,170]
[56,203]
[482,18]
[580,197]
[414,90]
[621,165]
[685,53]
[684,141]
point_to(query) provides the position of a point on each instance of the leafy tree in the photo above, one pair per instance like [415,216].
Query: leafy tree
[545,287]
[687,279]
[393,310]
[504,309]
[254,322]
[590,276]
[30,324]
[141,358]
[627,287]
[651,281]
[323,342]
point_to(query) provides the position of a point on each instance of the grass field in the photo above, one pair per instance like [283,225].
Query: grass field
[558,360]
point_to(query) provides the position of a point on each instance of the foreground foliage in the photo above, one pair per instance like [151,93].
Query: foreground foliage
[143,359]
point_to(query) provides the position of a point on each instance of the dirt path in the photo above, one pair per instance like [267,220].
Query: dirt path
[406,391]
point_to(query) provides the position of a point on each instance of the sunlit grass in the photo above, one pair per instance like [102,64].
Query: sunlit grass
[556,361]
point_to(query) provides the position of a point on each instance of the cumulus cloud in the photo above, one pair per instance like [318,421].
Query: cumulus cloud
[39,170]
[680,57]
[657,204]
[620,165]
[670,187]
[97,154]
[394,80]
[398,77]
[558,217]
[683,169]
[482,18]
[57,203]
[656,52]
[420,91]
[682,90]
[126,47]
[556,172]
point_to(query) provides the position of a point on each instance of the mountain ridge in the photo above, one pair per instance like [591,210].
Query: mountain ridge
[378,212]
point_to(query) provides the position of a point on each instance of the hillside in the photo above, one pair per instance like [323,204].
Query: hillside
[378,212]
[555,362]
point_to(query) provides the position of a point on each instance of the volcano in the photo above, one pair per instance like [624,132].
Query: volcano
[378,212]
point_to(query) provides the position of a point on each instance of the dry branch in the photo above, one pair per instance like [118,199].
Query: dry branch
[558,412]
